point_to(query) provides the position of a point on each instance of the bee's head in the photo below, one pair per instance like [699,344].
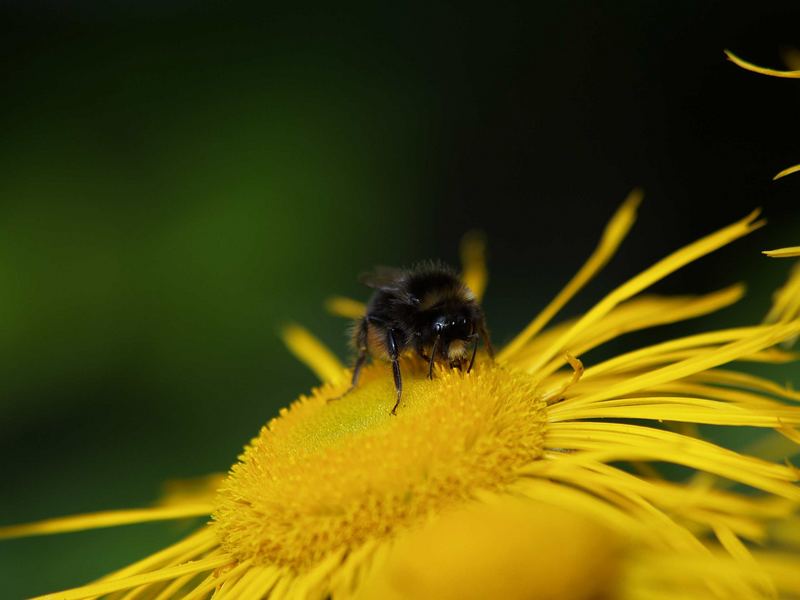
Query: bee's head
[450,326]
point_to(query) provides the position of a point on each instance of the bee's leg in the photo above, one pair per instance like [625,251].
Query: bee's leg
[474,337]
[361,345]
[433,356]
[394,353]
[484,333]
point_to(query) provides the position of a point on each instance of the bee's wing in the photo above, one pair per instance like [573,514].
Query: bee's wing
[383,278]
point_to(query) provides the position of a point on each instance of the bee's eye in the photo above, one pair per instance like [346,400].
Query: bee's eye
[462,321]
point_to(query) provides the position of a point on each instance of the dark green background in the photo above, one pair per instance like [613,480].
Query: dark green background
[178,180]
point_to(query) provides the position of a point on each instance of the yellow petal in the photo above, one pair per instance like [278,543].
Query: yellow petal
[647,443]
[696,364]
[664,576]
[111,518]
[642,313]
[763,70]
[784,252]
[658,271]
[191,547]
[701,343]
[793,74]
[191,491]
[614,233]
[473,263]
[689,410]
[787,171]
[107,587]
[232,573]
[746,381]
[786,300]
[313,353]
[345,307]
[250,586]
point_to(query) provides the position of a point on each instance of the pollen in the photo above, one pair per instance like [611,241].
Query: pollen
[333,473]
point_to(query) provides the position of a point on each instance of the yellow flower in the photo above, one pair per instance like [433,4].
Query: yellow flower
[530,477]
[793,58]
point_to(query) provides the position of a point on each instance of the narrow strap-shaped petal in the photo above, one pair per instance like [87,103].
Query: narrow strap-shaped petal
[731,542]
[107,587]
[630,360]
[614,233]
[790,252]
[647,443]
[690,366]
[220,583]
[473,263]
[787,171]
[188,548]
[762,70]
[345,307]
[313,353]
[110,518]
[788,74]
[786,301]
[656,311]
[648,277]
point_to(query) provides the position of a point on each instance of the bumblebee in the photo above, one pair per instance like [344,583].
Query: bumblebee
[427,310]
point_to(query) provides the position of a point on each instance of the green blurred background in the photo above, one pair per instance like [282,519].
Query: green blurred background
[179,179]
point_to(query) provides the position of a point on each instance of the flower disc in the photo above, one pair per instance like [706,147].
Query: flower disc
[331,472]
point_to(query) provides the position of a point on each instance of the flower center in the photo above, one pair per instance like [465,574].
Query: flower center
[330,474]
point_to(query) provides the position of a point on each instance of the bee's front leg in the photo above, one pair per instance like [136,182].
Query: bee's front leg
[361,345]
[360,339]
[394,352]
